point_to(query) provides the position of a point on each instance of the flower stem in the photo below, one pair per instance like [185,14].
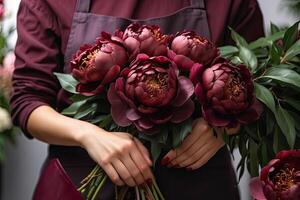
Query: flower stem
[137,193]
[158,191]
[99,186]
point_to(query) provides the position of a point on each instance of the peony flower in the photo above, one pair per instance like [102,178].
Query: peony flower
[151,93]
[280,179]
[6,73]
[145,39]
[2,10]
[97,65]
[188,48]
[226,93]
[5,120]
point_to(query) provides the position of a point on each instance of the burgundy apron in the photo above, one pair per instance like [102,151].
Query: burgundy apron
[215,180]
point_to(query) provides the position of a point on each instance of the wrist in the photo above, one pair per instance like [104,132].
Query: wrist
[84,132]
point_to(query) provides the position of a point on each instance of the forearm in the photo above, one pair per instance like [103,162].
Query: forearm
[47,125]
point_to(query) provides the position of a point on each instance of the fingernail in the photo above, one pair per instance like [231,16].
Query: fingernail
[149,182]
[165,160]
[143,186]
[189,169]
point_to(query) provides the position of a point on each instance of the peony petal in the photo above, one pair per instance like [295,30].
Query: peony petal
[147,110]
[184,63]
[256,189]
[217,90]
[200,93]
[213,118]
[185,91]
[132,115]
[252,114]
[184,112]
[207,78]
[111,75]
[196,73]
[161,117]
[118,107]
[144,124]
[89,89]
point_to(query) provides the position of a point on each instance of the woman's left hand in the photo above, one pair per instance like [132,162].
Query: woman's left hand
[196,149]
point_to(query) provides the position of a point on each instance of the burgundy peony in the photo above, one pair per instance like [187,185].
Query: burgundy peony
[145,39]
[226,93]
[280,179]
[188,48]
[100,64]
[151,93]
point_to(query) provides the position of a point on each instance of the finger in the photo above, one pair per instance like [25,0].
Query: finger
[133,169]
[214,143]
[181,157]
[204,159]
[197,156]
[143,151]
[123,172]
[142,164]
[199,127]
[112,174]
[208,150]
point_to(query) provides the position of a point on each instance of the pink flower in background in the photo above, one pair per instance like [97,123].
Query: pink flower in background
[2,9]
[6,72]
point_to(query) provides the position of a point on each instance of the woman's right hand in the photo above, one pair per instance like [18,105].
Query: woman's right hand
[124,158]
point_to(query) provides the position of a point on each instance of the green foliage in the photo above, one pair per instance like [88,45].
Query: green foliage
[274,62]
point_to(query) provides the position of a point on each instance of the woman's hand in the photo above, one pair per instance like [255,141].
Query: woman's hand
[196,149]
[122,157]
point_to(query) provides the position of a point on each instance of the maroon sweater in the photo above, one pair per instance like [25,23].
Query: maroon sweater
[43,28]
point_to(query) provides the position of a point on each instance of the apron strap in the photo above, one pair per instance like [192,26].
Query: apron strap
[198,3]
[83,6]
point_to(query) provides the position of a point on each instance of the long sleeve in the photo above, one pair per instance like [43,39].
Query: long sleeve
[37,57]
[244,16]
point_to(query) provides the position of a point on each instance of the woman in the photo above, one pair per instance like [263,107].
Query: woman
[49,33]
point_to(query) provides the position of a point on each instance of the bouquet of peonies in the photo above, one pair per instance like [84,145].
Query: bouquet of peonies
[153,86]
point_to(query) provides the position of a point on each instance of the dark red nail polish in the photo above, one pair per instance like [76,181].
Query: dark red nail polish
[149,182]
[165,160]
[189,169]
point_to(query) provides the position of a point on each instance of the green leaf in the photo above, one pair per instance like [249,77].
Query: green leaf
[239,40]
[274,28]
[292,52]
[253,159]
[228,51]
[265,96]
[279,141]
[236,60]
[98,119]
[85,110]
[290,36]
[156,149]
[248,58]
[287,76]
[287,125]
[293,102]
[180,131]
[266,41]
[67,82]
[106,121]
[73,108]
[275,54]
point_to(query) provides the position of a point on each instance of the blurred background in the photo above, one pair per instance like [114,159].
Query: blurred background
[23,159]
